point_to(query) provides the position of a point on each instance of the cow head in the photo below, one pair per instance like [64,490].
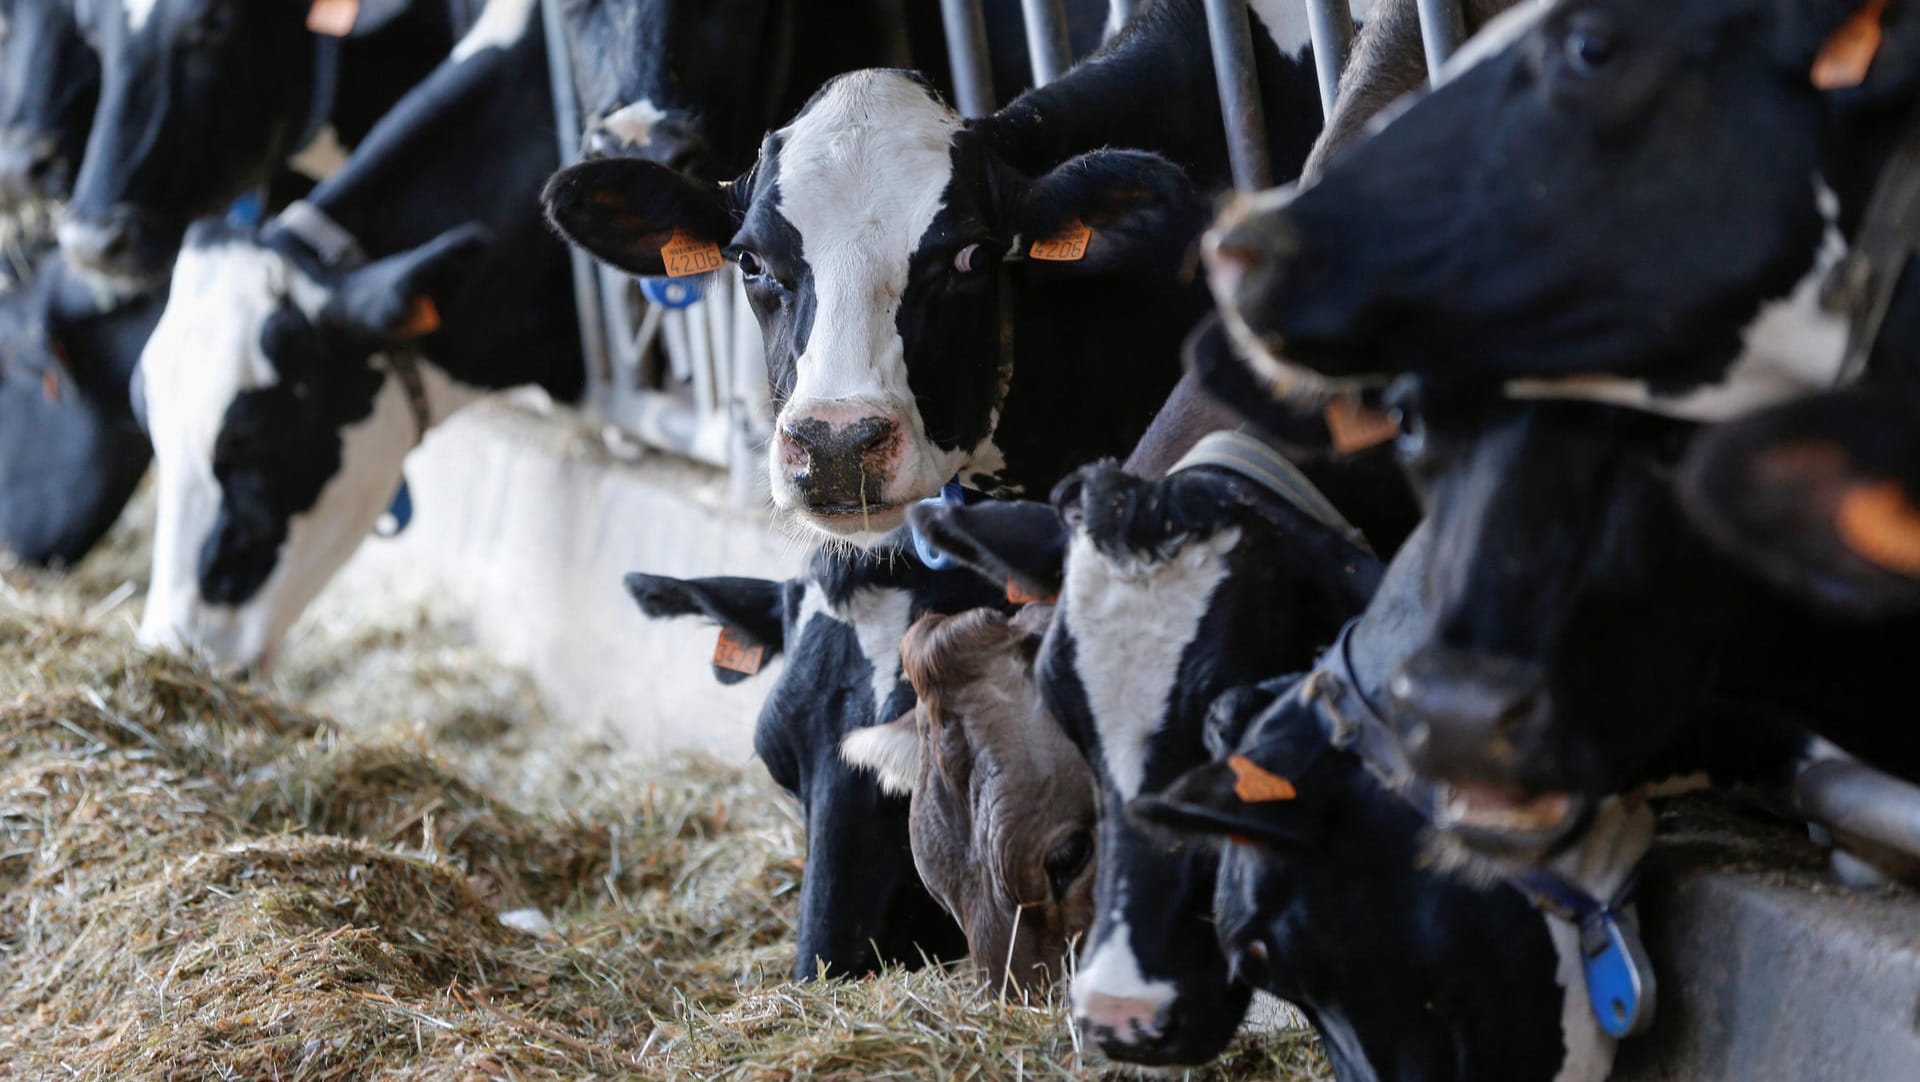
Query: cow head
[1326,899]
[279,427]
[874,235]
[199,99]
[71,452]
[839,628]
[49,81]
[691,84]
[1171,592]
[1004,806]
[1526,219]
[1818,497]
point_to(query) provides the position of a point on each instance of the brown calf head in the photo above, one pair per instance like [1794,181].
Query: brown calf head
[1003,805]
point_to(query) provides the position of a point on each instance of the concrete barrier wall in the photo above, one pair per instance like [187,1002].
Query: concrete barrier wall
[523,526]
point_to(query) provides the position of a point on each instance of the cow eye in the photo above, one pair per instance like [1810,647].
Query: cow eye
[1066,860]
[749,264]
[1591,45]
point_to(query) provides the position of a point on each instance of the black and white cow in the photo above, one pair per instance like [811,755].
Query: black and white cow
[200,100]
[294,370]
[1328,898]
[1527,220]
[71,448]
[996,302]
[694,84]
[49,81]
[1227,571]
[839,628]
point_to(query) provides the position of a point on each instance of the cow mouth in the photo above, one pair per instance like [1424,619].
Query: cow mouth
[856,518]
[1504,821]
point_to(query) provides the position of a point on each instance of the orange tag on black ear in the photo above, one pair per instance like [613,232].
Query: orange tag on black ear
[1067,246]
[423,318]
[686,256]
[334,18]
[1879,525]
[736,653]
[1254,784]
[1354,427]
[50,387]
[1847,56]
[1018,595]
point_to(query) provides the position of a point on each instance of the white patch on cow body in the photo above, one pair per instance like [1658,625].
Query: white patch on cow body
[863,172]
[501,24]
[203,354]
[634,124]
[891,751]
[879,618]
[1112,971]
[138,12]
[1794,347]
[1132,619]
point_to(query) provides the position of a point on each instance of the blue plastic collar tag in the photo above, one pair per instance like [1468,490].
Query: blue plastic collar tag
[1620,987]
[399,514]
[247,210]
[672,292]
[951,495]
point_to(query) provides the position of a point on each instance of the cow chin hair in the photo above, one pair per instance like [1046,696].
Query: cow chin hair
[1443,854]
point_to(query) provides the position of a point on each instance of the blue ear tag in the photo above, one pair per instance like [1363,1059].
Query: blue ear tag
[672,292]
[399,514]
[247,210]
[951,495]
[1620,984]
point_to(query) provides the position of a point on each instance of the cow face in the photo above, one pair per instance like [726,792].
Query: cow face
[839,628]
[198,100]
[279,429]
[1525,219]
[1818,497]
[669,81]
[1171,592]
[1326,899]
[1536,682]
[1003,804]
[873,235]
[49,81]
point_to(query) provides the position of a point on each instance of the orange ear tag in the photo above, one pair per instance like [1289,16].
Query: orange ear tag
[1878,524]
[50,387]
[423,318]
[334,18]
[1254,784]
[1846,57]
[1355,428]
[1067,246]
[1018,595]
[735,653]
[686,256]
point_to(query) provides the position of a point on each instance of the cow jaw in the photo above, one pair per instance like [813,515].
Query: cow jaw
[861,175]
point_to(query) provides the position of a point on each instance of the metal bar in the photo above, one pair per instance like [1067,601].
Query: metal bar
[967,54]
[566,122]
[1048,49]
[1239,83]
[1118,12]
[1330,23]
[1443,26]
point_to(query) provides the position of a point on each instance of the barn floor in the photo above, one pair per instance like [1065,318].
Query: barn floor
[393,865]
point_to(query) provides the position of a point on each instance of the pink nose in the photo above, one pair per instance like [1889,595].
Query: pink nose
[841,459]
[1121,1019]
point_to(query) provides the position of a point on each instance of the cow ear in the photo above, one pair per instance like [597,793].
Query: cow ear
[398,298]
[1110,210]
[1234,799]
[1820,496]
[1863,53]
[634,214]
[750,613]
[892,751]
[1020,543]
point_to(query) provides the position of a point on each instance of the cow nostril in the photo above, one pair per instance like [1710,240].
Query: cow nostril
[867,434]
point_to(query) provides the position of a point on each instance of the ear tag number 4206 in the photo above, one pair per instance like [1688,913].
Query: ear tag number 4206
[685,256]
[1067,246]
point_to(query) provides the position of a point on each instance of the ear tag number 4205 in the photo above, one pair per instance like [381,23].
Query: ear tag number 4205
[1619,975]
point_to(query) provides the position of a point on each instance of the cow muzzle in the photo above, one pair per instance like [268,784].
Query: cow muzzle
[119,246]
[642,131]
[31,167]
[840,463]
[1467,717]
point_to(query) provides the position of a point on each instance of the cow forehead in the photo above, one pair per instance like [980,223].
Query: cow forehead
[863,170]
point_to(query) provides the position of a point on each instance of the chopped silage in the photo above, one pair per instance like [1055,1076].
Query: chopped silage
[200,881]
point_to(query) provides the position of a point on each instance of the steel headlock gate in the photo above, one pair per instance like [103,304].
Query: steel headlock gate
[680,366]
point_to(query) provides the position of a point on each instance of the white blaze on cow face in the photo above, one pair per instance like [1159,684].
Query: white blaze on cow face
[634,124]
[862,173]
[1109,990]
[1132,620]
[204,354]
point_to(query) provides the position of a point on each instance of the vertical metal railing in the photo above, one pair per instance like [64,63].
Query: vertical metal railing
[1048,48]
[1330,23]
[1443,26]
[967,55]
[1238,80]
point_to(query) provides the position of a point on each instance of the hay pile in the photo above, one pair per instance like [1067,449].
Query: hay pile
[198,881]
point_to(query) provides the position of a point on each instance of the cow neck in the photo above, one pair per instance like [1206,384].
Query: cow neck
[340,253]
[1864,283]
[1257,461]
